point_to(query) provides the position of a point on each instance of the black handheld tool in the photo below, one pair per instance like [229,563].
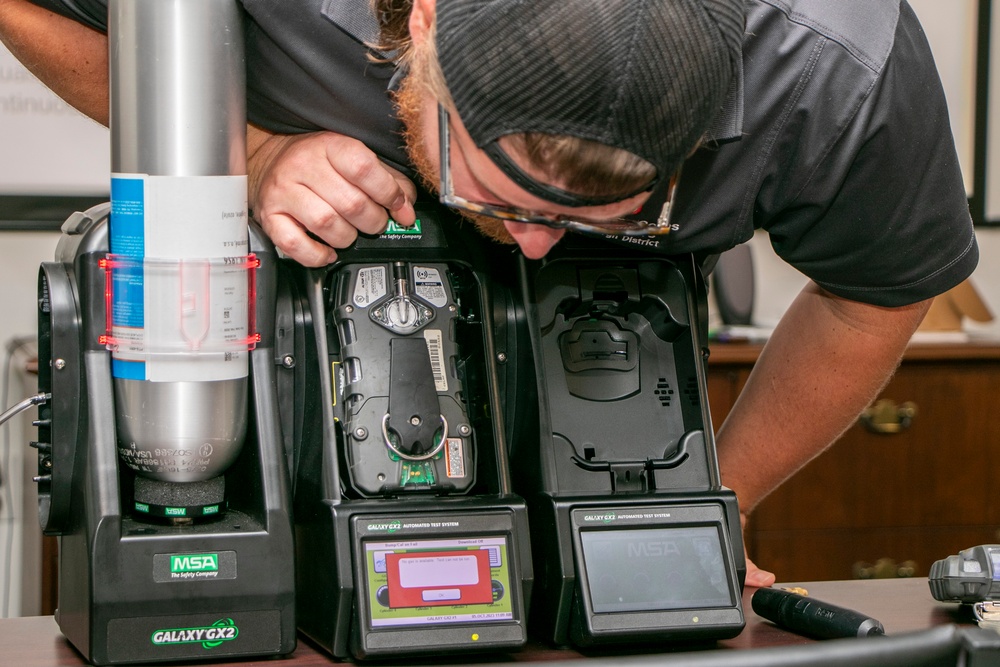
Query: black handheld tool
[810,617]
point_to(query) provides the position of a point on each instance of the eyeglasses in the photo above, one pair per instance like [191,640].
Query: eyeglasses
[620,226]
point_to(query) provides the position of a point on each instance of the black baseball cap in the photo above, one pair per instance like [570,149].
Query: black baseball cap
[646,76]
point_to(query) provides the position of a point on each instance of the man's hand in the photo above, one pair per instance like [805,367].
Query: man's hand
[756,577]
[314,192]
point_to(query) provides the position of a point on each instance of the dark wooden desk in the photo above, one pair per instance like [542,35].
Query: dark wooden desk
[825,522]
[902,605]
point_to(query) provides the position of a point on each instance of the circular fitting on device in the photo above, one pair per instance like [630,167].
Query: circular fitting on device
[409,457]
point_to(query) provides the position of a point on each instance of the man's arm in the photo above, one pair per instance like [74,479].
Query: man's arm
[323,183]
[68,57]
[826,361]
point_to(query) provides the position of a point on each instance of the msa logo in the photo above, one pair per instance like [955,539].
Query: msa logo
[194,563]
[652,549]
[396,229]
[209,637]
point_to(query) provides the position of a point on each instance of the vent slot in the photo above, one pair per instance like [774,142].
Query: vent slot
[664,392]
[691,391]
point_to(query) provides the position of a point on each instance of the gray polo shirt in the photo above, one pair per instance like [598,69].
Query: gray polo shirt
[835,138]
[842,152]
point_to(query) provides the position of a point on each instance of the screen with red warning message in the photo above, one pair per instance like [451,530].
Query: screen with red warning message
[438,581]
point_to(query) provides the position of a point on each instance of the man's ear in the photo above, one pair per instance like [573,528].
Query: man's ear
[421,20]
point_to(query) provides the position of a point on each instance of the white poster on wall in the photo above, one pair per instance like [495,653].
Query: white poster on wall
[46,146]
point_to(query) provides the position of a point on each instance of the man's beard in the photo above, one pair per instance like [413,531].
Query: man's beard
[409,98]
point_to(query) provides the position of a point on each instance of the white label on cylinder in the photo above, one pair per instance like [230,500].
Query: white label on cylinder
[181,304]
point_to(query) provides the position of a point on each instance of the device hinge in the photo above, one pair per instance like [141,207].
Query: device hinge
[629,477]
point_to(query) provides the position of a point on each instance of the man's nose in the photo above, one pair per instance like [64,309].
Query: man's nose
[534,240]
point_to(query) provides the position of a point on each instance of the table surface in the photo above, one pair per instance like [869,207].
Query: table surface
[902,605]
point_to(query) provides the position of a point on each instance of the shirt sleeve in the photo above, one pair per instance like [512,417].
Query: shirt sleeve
[93,13]
[884,218]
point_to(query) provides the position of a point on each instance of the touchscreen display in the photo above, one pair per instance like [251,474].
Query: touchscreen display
[654,569]
[456,580]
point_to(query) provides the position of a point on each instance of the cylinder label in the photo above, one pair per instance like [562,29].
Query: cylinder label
[179,306]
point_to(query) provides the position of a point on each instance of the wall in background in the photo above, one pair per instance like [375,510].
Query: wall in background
[777,283]
[21,254]
[49,149]
[48,146]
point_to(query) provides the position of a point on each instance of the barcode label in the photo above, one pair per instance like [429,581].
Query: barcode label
[434,349]
[455,459]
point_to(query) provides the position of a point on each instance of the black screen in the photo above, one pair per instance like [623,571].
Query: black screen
[653,569]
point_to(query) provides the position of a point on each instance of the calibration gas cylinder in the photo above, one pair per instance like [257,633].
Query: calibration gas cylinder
[179,314]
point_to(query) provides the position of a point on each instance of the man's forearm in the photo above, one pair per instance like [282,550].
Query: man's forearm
[825,362]
[68,57]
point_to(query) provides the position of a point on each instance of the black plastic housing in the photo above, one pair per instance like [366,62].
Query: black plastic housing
[623,428]
[345,478]
[110,599]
